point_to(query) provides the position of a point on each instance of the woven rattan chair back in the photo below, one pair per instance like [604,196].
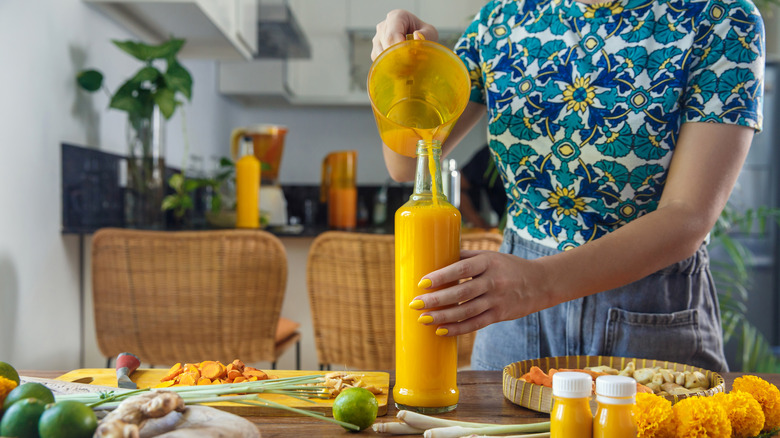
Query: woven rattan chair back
[350,279]
[351,284]
[188,296]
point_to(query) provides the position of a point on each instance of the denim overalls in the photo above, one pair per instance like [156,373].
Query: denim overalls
[670,315]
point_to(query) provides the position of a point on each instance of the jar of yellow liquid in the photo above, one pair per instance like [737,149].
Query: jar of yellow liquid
[616,397]
[427,238]
[571,415]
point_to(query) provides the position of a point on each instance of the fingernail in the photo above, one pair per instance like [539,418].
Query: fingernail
[441,331]
[417,304]
[424,283]
[425,319]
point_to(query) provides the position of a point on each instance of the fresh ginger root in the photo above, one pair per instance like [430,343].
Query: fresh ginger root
[129,417]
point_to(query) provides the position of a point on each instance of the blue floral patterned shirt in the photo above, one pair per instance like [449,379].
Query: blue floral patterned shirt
[585,102]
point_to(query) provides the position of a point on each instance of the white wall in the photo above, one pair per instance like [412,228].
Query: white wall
[42,46]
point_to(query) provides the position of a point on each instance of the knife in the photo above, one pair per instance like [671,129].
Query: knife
[126,363]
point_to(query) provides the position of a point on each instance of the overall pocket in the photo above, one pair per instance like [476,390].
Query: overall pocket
[665,336]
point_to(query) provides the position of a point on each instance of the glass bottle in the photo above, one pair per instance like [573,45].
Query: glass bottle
[616,397]
[571,415]
[247,189]
[427,238]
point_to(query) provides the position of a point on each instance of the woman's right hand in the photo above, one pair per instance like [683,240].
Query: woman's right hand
[394,28]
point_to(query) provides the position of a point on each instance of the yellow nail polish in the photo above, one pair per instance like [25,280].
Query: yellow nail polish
[441,331]
[425,319]
[417,304]
[424,283]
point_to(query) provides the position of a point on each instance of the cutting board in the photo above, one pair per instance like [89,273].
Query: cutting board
[146,378]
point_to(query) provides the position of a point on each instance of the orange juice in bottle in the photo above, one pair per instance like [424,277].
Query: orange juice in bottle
[247,190]
[571,415]
[427,238]
[615,415]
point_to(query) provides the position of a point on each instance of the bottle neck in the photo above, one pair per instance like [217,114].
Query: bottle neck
[427,181]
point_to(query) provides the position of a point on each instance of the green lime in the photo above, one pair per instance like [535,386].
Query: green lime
[67,419]
[29,390]
[357,406]
[21,419]
[7,371]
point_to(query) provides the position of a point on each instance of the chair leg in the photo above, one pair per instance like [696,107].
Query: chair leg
[298,355]
[273,365]
[108,362]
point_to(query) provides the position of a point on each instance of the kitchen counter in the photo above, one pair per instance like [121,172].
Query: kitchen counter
[481,399]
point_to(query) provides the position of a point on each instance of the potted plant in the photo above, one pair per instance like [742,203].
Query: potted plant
[148,97]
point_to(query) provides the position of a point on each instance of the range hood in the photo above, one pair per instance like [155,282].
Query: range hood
[279,34]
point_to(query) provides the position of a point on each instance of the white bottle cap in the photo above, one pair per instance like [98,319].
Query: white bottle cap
[615,389]
[569,384]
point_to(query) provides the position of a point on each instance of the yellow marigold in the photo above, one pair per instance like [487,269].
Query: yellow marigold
[745,414]
[767,395]
[653,416]
[6,385]
[701,417]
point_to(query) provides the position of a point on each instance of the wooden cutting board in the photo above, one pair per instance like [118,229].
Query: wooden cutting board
[146,378]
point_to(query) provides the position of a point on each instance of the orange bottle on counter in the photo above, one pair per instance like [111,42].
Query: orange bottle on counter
[427,238]
[247,189]
[616,397]
[571,415]
[339,190]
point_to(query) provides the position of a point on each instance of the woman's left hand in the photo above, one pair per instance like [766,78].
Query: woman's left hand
[501,287]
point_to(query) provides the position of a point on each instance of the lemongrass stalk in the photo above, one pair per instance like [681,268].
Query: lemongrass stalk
[396,428]
[460,431]
[424,422]
[271,404]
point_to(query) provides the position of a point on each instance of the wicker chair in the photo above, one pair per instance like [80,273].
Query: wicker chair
[351,284]
[191,296]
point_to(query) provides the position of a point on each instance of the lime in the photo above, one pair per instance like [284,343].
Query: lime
[21,419]
[67,419]
[7,371]
[357,406]
[29,390]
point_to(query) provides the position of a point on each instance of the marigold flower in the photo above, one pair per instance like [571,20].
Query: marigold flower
[701,417]
[745,414]
[653,416]
[767,395]
[6,385]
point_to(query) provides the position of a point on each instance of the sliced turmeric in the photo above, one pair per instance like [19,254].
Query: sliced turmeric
[250,372]
[213,370]
[173,372]
[204,381]
[187,379]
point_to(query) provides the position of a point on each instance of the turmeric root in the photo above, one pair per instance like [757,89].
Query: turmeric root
[129,417]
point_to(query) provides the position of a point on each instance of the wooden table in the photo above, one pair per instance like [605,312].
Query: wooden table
[481,399]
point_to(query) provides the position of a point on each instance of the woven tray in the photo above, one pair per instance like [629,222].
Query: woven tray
[539,398]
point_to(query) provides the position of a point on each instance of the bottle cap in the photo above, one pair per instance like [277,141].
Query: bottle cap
[616,387]
[569,384]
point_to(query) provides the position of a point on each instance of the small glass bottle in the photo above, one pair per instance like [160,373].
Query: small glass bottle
[616,397]
[427,238]
[571,415]
[247,189]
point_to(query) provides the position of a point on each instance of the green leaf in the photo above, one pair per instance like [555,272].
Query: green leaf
[146,52]
[170,202]
[146,74]
[166,100]
[226,162]
[90,80]
[176,181]
[125,99]
[191,184]
[179,79]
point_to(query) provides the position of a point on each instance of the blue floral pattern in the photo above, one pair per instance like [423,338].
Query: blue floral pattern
[585,102]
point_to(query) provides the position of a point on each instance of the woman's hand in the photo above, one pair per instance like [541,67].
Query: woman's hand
[396,26]
[502,287]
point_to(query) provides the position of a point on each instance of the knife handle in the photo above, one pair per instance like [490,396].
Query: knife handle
[126,363]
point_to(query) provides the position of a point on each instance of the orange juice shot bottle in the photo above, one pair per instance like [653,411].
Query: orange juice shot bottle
[427,238]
